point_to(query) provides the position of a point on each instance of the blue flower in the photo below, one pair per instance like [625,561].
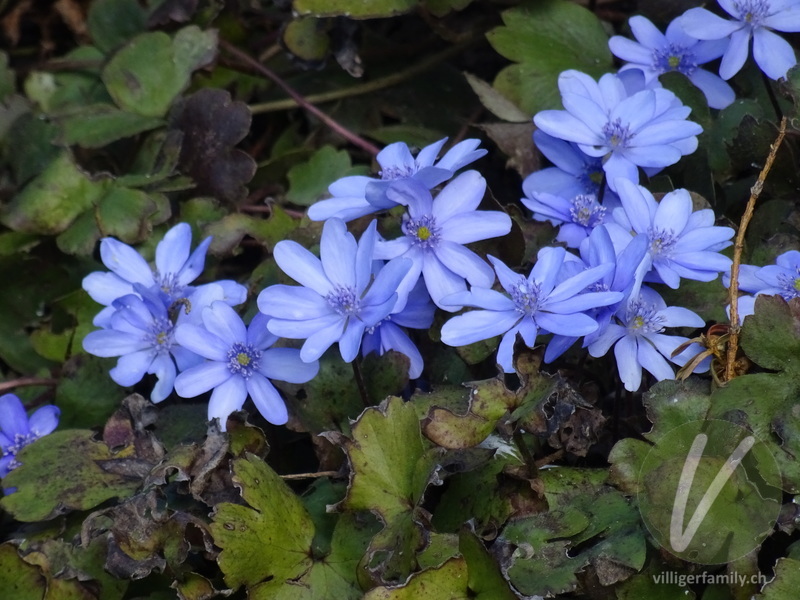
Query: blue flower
[141,333]
[574,173]
[752,18]
[17,430]
[531,305]
[435,231]
[355,196]
[175,269]
[388,334]
[645,129]
[782,279]
[339,298]
[682,243]
[576,217]
[657,53]
[240,363]
[640,342]
[628,258]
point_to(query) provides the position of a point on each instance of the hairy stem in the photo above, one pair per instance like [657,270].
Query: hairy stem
[301,101]
[738,246]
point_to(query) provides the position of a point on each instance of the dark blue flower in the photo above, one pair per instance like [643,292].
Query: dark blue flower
[17,430]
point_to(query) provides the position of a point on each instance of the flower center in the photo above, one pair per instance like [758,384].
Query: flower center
[752,11]
[643,318]
[587,211]
[790,285]
[674,58]
[525,295]
[394,172]
[344,300]
[423,231]
[661,241]
[617,134]
[17,444]
[243,359]
[161,337]
[168,283]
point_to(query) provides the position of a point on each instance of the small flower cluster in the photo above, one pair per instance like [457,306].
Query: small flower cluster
[781,279]
[366,294]
[157,323]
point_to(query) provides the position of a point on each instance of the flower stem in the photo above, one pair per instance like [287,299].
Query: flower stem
[359,377]
[738,246]
[771,95]
[26,381]
[334,125]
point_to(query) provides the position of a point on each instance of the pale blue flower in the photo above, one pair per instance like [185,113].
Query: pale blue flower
[435,231]
[640,342]
[781,279]
[628,257]
[657,53]
[576,218]
[339,298]
[17,430]
[646,129]
[751,18]
[140,331]
[530,305]
[683,243]
[240,363]
[175,268]
[356,195]
[389,334]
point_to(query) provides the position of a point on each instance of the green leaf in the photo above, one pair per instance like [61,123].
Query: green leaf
[447,582]
[309,181]
[64,471]
[148,73]
[98,125]
[546,38]
[485,580]
[111,23]
[391,467]
[28,146]
[18,579]
[307,39]
[51,202]
[672,403]
[82,377]
[440,8]
[66,90]
[771,336]
[785,583]
[354,9]
[123,213]
[588,523]
[267,545]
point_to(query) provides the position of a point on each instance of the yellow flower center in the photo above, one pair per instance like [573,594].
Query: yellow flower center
[243,359]
[423,233]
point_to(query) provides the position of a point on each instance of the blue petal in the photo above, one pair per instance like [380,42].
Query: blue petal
[387,281]
[195,264]
[394,338]
[225,399]
[13,418]
[469,227]
[460,155]
[735,56]
[505,351]
[338,253]
[477,325]
[302,329]
[350,341]
[267,400]
[460,196]
[173,250]
[104,288]
[125,262]
[292,302]
[464,263]
[107,343]
[223,322]
[44,420]
[200,341]
[201,378]
[630,372]
[441,281]
[773,54]
[653,362]
[257,333]
[302,266]
[285,364]
[164,370]
[345,209]
[576,324]
[318,342]
[131,367]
